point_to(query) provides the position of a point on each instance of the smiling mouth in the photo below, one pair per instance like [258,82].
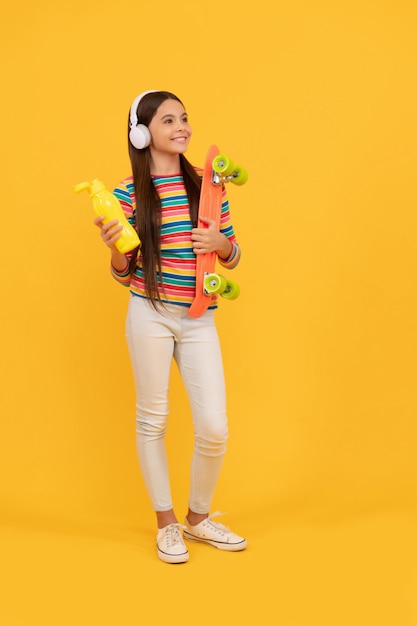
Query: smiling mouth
[181,139]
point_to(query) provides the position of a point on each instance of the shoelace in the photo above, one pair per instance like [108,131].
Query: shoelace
[217,526]
[172,534]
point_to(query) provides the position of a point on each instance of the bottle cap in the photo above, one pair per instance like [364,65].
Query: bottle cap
[93,187]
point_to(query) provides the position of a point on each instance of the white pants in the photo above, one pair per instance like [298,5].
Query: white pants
[154,339]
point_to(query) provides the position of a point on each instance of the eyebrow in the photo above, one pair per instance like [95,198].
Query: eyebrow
[173,115]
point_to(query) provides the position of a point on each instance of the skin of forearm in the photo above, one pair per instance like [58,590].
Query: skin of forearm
[225,247]
[118,260]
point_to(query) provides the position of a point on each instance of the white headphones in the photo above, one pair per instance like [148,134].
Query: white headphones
[139,134]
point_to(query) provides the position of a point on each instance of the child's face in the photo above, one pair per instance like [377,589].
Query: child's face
[169,129]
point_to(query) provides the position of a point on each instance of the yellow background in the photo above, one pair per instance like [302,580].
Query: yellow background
[318,101]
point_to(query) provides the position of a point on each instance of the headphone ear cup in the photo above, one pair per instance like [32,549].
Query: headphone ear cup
[139,136]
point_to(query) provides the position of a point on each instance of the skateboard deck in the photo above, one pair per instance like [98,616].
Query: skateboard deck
[211,206]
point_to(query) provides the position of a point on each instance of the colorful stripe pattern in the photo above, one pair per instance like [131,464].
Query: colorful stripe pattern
[177,256]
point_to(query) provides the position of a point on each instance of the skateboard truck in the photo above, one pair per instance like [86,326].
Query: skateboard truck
[225,171]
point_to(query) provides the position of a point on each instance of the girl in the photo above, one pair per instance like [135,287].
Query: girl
[161,199]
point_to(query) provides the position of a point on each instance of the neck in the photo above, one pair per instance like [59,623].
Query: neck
[165,164]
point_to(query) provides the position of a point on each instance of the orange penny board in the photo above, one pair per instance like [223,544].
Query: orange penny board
[210,206]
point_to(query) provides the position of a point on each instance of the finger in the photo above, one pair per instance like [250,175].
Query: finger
[113,239]
[99,221]
[109,225]
[109,230]
[113,229]
[111,235]
[110,242]
[198,232]
[207,220]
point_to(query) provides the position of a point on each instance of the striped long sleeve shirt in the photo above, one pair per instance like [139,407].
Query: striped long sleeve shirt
[178,261]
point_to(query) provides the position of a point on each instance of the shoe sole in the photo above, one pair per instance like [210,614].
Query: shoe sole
[173,558]
[229,547]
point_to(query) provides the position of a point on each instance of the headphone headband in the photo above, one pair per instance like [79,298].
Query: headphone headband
[134,108]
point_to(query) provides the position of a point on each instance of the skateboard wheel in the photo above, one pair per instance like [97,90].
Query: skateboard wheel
[231,291]
[214,283]
[223,165]
[239,176]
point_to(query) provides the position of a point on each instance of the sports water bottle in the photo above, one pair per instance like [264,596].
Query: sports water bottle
[106,204]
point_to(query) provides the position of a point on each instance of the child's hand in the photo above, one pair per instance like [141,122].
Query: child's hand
[110,232]
[206,240]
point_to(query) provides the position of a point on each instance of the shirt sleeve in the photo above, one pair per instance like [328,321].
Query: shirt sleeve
[226,227]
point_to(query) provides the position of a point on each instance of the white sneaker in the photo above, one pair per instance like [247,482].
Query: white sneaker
[215,534]
[170,545]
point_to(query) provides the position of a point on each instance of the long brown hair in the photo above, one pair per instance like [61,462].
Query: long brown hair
[148,203]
